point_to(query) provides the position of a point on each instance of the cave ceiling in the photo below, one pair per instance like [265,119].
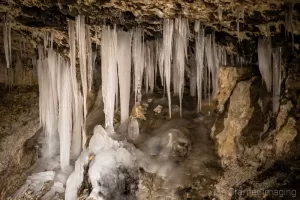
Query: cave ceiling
[31,19]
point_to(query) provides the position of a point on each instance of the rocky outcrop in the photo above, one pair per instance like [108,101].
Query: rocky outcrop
[19,123]
[250,139]
[229,77]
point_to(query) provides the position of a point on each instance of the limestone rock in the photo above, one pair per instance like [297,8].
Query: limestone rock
[286,136]
[240,111]
[229,77]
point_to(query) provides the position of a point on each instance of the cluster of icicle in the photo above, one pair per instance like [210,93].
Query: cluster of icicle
[62,104]
[270,68]
[168,57]
[18,74]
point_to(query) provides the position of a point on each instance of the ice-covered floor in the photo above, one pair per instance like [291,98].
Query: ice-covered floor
[171,158]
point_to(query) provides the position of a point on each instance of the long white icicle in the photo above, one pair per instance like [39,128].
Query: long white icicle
[109,73]
[124,71]
[264,62]
[65,115]
[167,48]
[138,61]
[7,40]
[77,96]
[181,38]
[199,49]
[82,54]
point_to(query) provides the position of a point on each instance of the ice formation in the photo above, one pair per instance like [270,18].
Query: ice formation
[265,62]
[89,58]
[167,49]
[108,157]
[181,40]
[48,75]
[199,51]
[7,40]
[82,54]
[65,116]
[149,66]
[109,72]
[77,97]
[138,61]
[124,71]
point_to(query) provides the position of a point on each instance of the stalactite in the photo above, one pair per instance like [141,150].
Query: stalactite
[7,40]
[65,115]
[109,73]
[89,58]
[82,54]
[124,71]
[264,61]
[160,56]
[199,48]
[167,51]
[138,61]
[77,101]
[181,39]
[149,66]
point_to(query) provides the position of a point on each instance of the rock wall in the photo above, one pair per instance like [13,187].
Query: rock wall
[249,137]
[19,123]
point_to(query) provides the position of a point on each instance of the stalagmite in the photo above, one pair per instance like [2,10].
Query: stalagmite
[167,49]
[264,61]
[124,71]
[181,39]
[65,115]
[199,48]
[138,61]
[109,73]
[7,40]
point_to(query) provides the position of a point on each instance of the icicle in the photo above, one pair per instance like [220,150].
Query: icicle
[276,78]
[138,61]
[77,97]
[264,61]
[124,71]
[160,56]
[167,48]
[181,38]
[7,40]
[109,73]
[199,48]
[65,116]
[82,54]
[89,58]
[149,66]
